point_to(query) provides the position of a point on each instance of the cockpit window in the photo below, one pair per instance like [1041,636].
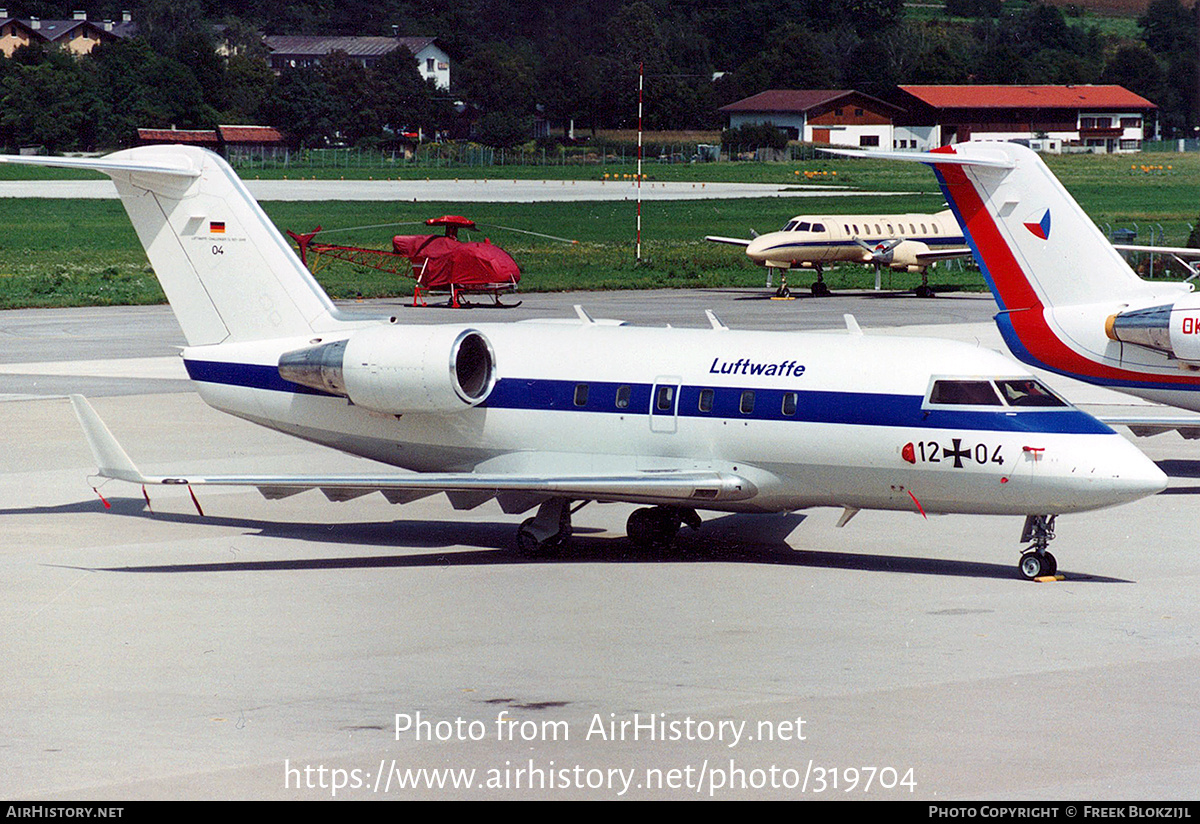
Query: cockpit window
[975,393]
[788,226]
[803,226]
[818,227]
[1028,392]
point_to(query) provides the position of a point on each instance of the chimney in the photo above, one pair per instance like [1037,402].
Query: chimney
[126,17]
[108,25]
[80,15]
[35,23]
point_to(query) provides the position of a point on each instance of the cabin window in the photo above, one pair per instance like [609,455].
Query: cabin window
[664,399]
[746,404]
[818,227]
[912,230]
[923,230]
[789,403]
[705,403]
[856,228]
[878,230]
[935,229]
[1028,392]
[845,228]
[623,393]
[891,231]
[581,394]
[973,393]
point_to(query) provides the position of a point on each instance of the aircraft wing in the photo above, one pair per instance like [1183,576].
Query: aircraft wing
[1144,427]
[466,490]
[934,255]
[732,241]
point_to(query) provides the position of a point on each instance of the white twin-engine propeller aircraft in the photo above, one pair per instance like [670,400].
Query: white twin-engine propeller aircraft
[1069,303]
[548,415]
[909,242]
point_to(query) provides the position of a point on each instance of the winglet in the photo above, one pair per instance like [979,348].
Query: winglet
[111,460]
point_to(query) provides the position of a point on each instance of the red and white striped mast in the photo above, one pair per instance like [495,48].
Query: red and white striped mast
[639,165]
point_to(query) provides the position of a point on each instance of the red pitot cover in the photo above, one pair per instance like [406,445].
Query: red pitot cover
[450,261]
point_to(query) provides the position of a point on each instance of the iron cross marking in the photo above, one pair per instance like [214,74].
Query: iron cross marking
[957,453]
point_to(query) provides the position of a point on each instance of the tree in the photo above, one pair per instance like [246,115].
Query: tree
[51,104]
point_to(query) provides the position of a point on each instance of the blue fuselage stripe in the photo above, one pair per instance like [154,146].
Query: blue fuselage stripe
[721,402]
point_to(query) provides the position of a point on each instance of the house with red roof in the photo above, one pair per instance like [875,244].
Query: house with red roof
[1098,119]
[1056,119]
[838,117]
[220,139]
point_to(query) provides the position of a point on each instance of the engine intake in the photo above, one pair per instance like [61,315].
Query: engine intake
[397,369]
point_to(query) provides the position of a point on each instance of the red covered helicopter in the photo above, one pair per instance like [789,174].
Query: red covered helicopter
[438,263]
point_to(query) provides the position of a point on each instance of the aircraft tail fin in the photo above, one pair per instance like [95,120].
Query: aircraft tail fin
[1035,244]
[226,270]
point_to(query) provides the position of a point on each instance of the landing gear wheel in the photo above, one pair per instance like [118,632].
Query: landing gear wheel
[820,289]
[529,545]
[1050,563]
[1032,565]
[653,527]
[547,532]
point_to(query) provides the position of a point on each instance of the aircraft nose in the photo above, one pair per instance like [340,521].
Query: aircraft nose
[1130,475]
[756,247]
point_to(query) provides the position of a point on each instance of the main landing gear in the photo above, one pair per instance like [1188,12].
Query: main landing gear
[1036,562]
[648,528]
[656,527]
[548,531]
[820,289]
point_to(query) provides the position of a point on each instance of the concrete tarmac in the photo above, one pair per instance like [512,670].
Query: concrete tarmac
[301,649]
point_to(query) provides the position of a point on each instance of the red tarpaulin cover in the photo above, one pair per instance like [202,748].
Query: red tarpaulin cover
[450,261]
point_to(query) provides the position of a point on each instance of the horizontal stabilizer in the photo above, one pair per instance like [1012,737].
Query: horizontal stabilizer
[176,168]
[935,158]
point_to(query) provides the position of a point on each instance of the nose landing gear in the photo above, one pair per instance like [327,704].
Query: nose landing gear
[1036,562]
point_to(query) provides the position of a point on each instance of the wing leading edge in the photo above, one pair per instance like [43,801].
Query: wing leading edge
[466,490]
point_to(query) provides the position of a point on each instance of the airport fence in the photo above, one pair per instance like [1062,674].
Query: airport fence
[1187,144]
[472,155]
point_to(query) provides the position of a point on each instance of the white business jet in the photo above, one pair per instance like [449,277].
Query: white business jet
[910,242]
[548,415]
[1069,303]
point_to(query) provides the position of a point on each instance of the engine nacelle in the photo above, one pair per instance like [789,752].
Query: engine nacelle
[1173,328]
[398,369]
[904,256]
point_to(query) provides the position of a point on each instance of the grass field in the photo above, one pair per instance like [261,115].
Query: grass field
[60,253]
